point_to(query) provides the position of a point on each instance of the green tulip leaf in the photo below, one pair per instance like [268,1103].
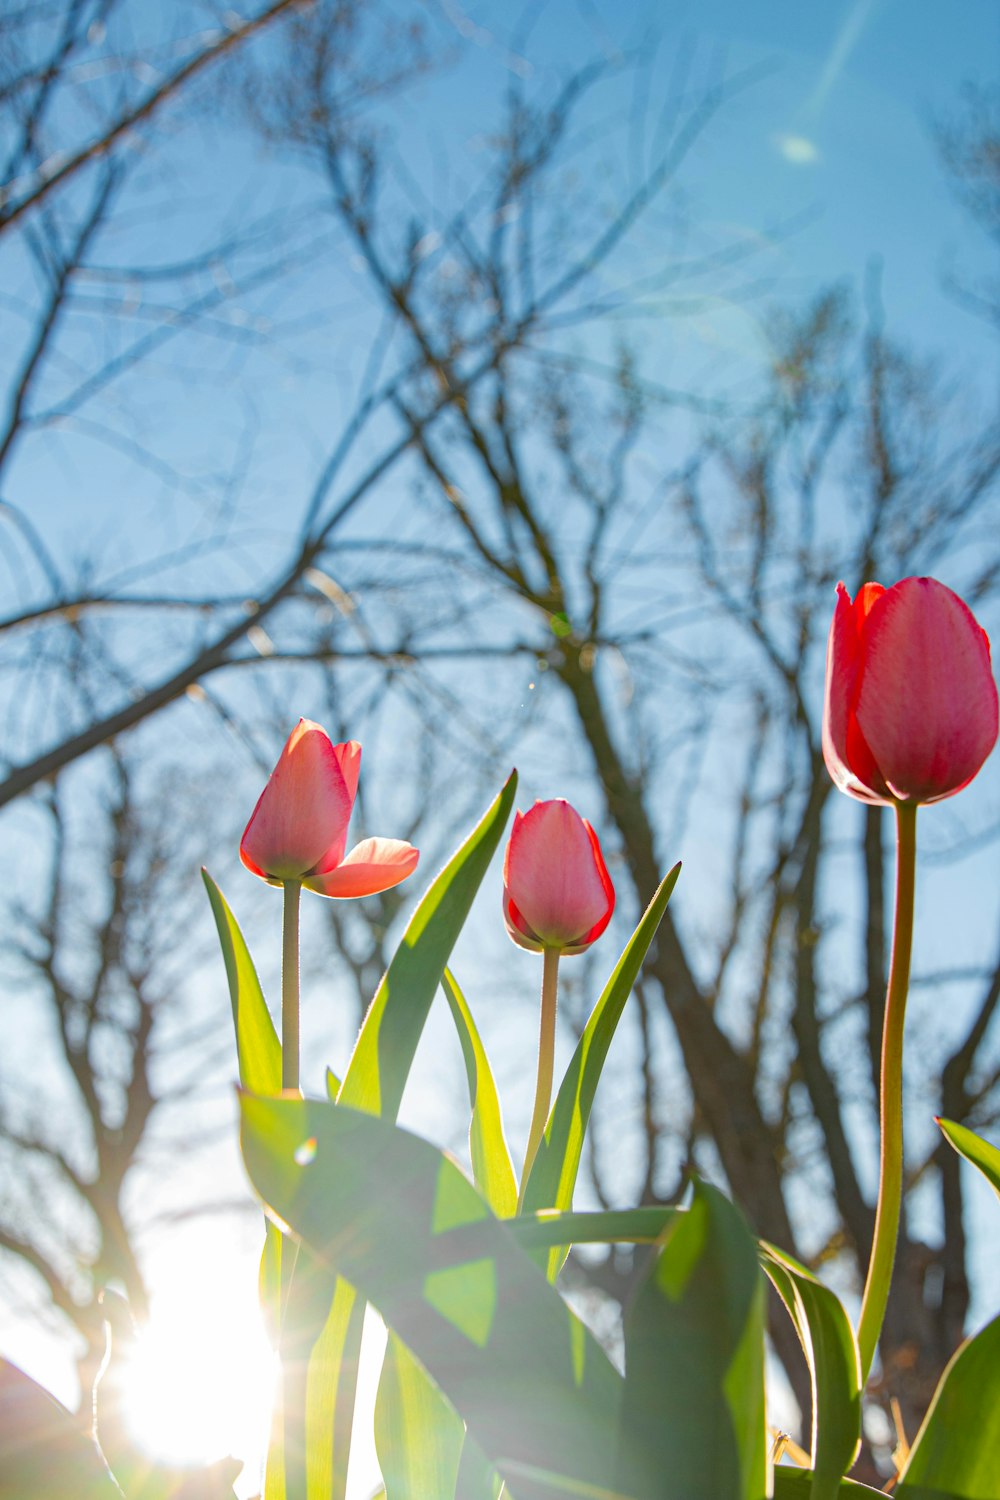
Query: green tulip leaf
[554,1171]
[827,1338]
[383,1053]
[492,1169]
[549,1228]
[975,1150]
[256,1039]
[380,1065]
[442,1453]
[401,1222]
[693,1420]
[956,1453]
[796,1484]
[259,1057]
[418,1435]
[320,1343]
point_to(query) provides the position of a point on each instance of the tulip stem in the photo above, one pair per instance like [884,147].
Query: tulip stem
[890,1187]
[546,1062]
[290,986]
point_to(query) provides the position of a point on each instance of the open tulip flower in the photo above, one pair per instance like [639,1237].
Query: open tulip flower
[911,704]
[298,830]
[557,892]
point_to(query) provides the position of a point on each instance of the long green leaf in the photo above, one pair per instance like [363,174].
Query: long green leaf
[408,1400]
[418,1434]
[831,1351]
[956,1453]
[492,1169]
[693,1422]
[383,1053]
[401,1222]
[553,1174]
[259,1058]
[256,1039]
[375,1079]
[975,1150]
[617,1226]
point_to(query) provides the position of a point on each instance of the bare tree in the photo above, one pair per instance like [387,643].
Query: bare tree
[103,954]
[713,583]
[515,488]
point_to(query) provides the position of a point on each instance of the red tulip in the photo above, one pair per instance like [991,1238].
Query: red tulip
[556,889]
[911,704]
[298,830]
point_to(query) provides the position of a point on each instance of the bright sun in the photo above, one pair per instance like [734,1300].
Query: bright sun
[199,1383]
[201,1377]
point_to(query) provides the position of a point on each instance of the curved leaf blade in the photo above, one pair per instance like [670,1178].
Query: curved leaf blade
[399,1220]
[831,1351]
[418,1434]
[553,1174]
[693,1420]
[492,1168]
[956,1453]
[975,1150]
[383,1053]
[257,1043]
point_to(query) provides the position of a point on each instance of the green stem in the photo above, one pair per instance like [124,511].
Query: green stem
[287,1452]
[890,1187]
[290,986]
[546,1061]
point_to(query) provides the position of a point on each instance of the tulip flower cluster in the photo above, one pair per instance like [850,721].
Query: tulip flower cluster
[487,1367]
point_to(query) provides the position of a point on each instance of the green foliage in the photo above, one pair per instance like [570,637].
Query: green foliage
[490,1380]
[980,1153]
[316,1313]
[492,1169]
[956,1453]
[383,1053]
[693,1421]
[401,1222]
[831,1352]
[554,1171]
[796,1484]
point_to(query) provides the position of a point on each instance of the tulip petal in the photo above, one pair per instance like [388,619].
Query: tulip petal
[848,756]
[518,928]
[927,705]
[303,810]
[348,758]
[373,865]
[556,885]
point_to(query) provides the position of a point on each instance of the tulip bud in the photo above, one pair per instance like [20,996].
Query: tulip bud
[557,891]
[298,830]
[911,704]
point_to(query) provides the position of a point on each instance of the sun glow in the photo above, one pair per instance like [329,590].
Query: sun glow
[200,1379]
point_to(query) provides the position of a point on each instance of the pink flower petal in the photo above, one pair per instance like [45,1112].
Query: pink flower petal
[303,810]
[348,757]
[848,757]
[373,865]
[928,702]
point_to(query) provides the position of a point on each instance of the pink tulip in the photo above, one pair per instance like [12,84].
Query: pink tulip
[557,893]
[298,830]
[911,704]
